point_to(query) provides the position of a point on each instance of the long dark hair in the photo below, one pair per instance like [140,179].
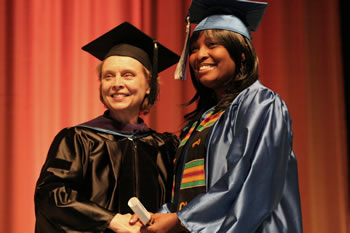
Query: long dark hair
[246,73]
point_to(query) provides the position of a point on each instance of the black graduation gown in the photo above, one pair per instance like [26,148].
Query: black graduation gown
[92,170]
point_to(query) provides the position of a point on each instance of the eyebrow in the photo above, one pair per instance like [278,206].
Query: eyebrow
[107,71]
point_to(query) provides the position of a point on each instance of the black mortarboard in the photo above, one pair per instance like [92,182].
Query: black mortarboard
[127,40]
[240,16]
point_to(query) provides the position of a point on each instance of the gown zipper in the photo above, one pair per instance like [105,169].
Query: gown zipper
[136,167]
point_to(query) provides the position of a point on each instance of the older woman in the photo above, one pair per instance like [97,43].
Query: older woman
[94,168]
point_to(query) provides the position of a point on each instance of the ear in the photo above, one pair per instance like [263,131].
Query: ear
[148,91]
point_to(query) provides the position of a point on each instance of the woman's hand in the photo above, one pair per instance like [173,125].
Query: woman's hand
[134,219]
[163,223]
[120,224]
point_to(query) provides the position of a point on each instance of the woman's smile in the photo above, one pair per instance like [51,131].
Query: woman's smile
[206,67]
[119,96]
[212,64]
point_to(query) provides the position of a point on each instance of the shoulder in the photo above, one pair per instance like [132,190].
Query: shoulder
[256,103]
[75,131]
[77,134]
[257,91]
[256,97]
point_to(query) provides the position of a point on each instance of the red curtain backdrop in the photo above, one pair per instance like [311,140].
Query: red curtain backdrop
[47,82]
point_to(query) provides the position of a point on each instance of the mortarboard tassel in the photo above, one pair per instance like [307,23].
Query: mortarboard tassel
[154,72]
[155,59]
[181,71]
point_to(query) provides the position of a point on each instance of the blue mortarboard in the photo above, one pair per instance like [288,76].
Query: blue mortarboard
[240,16]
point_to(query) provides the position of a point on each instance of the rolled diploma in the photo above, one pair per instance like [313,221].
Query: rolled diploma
[139,210]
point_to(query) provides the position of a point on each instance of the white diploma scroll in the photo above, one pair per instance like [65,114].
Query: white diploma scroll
[139,210]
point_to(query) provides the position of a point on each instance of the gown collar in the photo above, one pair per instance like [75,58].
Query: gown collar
[105,122]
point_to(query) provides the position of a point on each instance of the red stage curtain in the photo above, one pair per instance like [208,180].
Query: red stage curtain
[47,82]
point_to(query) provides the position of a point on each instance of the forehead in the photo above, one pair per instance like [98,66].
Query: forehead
[121,62]
[206,35]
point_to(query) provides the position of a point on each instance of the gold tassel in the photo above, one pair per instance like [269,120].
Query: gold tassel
[153,95]
[181,71]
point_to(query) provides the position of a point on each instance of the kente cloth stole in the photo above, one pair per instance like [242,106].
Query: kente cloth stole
[193,175]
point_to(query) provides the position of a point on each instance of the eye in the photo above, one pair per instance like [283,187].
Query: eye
[107,76]
[193,49]
[129,75]
[212,44]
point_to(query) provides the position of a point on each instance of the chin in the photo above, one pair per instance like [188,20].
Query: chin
[209,83]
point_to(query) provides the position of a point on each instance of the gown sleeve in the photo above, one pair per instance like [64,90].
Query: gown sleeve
[252,146]
[59,201]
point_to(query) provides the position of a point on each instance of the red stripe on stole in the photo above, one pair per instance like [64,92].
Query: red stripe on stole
[195,173]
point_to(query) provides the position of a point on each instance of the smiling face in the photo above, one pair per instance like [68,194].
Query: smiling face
[212,64]
[123,87]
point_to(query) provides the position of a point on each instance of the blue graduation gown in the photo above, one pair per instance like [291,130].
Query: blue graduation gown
[251,170]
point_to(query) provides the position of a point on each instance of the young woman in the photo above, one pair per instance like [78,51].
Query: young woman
[235,168]
[93,169]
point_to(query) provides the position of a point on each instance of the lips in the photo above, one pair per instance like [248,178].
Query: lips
[206,67]
[118,95]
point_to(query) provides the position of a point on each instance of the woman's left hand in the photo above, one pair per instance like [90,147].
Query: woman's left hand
[120,224]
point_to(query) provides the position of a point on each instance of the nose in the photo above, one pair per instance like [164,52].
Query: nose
[198,55]
[202,53]
[118,82]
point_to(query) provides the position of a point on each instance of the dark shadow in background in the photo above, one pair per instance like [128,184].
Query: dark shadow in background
[345,24]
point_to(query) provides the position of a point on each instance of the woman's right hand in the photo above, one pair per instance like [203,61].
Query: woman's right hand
[164,223]
[120,224]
